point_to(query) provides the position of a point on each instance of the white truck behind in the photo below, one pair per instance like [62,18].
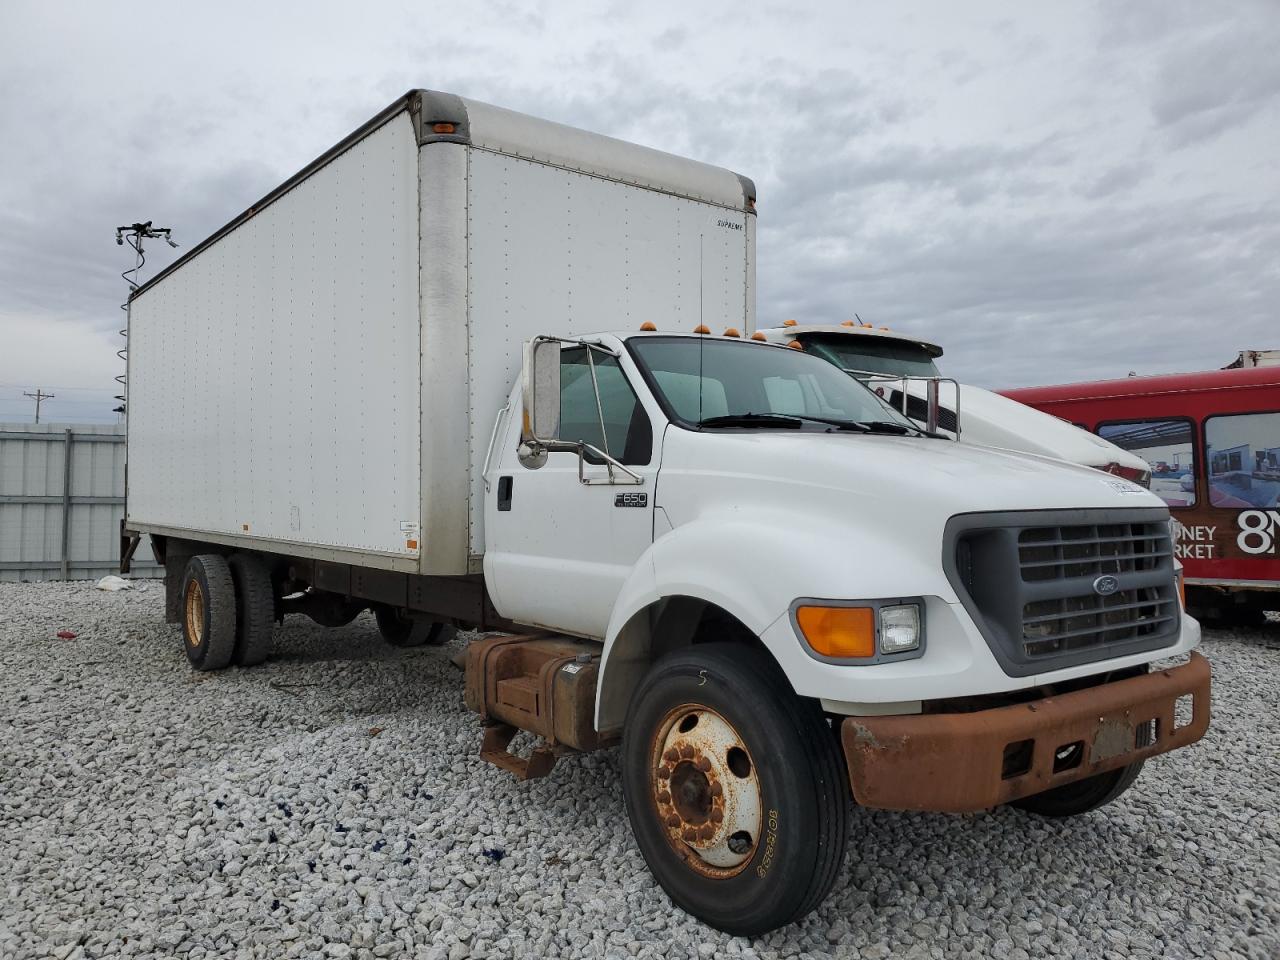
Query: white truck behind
[460,371]
[900,368]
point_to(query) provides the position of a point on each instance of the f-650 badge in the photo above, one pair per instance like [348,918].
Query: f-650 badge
[631,500]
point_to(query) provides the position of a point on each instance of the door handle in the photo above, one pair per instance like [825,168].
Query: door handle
[504,494]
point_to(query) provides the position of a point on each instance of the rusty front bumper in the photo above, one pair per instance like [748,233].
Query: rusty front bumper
[959,762]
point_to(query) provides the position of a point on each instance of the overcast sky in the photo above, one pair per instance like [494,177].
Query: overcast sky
[1051,193]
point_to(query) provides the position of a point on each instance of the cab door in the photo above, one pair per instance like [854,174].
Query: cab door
[558,551]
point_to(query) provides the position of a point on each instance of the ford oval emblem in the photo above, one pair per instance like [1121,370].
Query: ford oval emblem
[1106,585]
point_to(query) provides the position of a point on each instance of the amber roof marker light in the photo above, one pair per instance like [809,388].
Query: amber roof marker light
[648,327]
[443,128]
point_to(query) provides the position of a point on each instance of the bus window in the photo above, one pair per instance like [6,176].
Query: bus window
[1167,448]
[1243,453]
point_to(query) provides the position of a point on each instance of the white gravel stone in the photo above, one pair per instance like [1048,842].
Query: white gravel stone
[150,811]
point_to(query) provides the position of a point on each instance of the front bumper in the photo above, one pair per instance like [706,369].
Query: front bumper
[961,762]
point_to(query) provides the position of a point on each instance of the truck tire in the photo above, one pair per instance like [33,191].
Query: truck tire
[734,787]
[402,631]
[1082,796]
[256,609]
[208,612]
[1073,799]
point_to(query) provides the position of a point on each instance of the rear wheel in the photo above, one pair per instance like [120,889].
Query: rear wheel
[734,788]
[208,612]
[256,606]
[404,631]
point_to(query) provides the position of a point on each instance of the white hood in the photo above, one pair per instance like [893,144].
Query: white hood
[940,477]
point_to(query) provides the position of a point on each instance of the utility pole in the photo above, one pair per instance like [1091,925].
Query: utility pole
[38,397]
[134,234]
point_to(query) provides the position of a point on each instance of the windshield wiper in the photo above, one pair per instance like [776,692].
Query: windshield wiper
[752,420]
[793,421]
[789,420]
[888,426]
[833,422]
[900,429]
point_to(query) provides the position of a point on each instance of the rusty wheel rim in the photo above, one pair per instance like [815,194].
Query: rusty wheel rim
[193,605]
[706,791]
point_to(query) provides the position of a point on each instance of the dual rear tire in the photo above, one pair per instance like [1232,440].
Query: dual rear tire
[228,608]
[228,611]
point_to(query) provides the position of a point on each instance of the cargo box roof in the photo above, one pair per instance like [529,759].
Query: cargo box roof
[447,118]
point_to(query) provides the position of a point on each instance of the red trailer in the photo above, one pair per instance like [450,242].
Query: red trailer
[1213,443]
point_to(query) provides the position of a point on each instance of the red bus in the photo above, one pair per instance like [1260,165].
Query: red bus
[1213,443]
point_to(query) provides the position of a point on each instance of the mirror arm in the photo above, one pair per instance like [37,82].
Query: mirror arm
[604,437]
[583,447]
[600,347]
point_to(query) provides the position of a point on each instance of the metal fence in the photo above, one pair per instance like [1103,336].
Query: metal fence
[61,502]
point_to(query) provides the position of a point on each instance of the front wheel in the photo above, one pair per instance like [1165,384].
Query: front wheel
[1073,799]
[734,788]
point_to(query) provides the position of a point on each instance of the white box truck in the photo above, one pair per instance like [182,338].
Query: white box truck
[460,370]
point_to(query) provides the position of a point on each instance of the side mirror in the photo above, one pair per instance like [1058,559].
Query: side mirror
[541,389]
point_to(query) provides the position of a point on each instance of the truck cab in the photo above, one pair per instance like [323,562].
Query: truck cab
[754,537]
[901,368]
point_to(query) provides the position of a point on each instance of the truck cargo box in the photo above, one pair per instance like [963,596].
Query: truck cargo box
[322,375]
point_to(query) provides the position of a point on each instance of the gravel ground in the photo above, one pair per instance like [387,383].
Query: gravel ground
[331,803]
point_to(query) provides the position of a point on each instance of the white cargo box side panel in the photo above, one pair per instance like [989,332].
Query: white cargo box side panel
[273,378]
[553,251]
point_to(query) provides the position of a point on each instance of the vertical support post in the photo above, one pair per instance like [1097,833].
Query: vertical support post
[66,505]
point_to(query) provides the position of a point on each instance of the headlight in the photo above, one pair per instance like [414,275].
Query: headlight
[899,628]
[867,631]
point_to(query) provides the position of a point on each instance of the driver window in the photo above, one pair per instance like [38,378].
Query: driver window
[627,436]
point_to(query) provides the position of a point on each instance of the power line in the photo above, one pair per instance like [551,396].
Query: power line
[39,396]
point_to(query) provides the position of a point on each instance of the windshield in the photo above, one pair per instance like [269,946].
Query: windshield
[703,378]
[864,354]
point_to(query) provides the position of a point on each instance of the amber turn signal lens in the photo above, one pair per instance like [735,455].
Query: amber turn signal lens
[442,128]
[840,632]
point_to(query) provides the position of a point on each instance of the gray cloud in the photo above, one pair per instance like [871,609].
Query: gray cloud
[1053,195]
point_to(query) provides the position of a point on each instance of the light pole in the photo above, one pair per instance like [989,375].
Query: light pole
[135,233]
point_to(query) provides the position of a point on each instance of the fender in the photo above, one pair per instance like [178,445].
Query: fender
[729,556]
